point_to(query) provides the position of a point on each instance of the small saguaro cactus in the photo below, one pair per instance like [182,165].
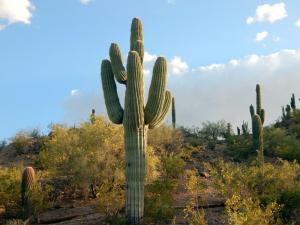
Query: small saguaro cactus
[293,102]
[173,113]
[136,117]
[288,111]
[258,143]
[28,181]
[245,128]
[93,116]
[238,131]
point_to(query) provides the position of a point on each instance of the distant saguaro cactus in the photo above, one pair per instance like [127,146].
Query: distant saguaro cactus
[288,111]
[245,128]
[258,143]
[93,116]
[28,181]
[173,113]
[259,110]
[135,117]
[293,102]
[238,131]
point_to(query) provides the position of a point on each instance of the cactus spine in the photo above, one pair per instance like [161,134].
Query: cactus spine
[136,116]
[258,143]
[173,113]
[28,181]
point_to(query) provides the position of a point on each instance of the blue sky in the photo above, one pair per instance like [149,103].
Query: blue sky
[50,54]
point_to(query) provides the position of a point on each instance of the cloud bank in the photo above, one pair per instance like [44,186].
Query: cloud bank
[15,11]
[217,91]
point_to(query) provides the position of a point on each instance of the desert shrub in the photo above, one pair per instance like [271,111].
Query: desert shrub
[22,142]
[38,199]
[267,183]
[166,138]
[192,213]
[290,200]
[246,180]
[279,143]
[159,201]
[244,211]
[212,131]
[240,148]
[10,183]
[87,156]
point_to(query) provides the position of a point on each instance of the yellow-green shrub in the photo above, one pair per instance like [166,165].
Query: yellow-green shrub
[248,211]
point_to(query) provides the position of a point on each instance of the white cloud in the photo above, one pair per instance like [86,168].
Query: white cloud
[270,13]
[298,23]
[85,2]
[148,57]
[177,66]
[216,91]
[261,36]
[74,92]
[15,11]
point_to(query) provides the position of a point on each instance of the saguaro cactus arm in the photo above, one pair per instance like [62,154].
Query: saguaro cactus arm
[114,109]
[117,64]
[157,89]
[251,110]
[165,109]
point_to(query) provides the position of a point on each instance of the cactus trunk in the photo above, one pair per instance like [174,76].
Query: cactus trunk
[135,147]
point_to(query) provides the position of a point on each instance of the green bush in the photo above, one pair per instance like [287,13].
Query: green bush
[269,183]
[279,143]
[246,211]
[22,143]
[88,156]
[10,183]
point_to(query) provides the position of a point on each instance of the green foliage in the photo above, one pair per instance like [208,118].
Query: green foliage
[22,142]
[279,143]
[193,214]
[159,200]
[38,198]
[267,183]
[240,148]
[248,211]
[10,182]
[290,200]
[212,131]
[88,155]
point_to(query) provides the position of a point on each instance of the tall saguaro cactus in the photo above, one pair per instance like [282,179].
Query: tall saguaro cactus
[136,117]
[173,113]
